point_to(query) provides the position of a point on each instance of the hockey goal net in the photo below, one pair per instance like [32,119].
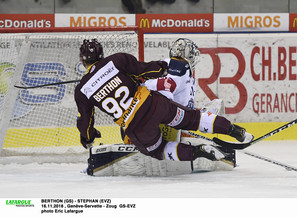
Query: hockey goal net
[41,122]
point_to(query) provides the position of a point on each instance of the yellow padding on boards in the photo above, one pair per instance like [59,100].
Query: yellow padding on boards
[62,136]
[69,136]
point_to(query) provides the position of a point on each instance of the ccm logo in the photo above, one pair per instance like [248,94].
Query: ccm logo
[127,148]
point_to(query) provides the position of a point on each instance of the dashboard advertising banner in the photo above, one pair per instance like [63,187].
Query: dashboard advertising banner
[175,23]
[259,22]
[94,20]
[27,20]
[293,23]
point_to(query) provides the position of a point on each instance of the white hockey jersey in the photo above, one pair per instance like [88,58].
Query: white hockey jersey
[178,85]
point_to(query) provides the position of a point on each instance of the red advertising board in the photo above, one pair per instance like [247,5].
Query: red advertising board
[175,22]
[27,20]
[293,23]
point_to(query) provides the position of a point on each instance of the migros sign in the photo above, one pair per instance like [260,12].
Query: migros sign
[94,20]
[251,22]
[99,21]
[168,23]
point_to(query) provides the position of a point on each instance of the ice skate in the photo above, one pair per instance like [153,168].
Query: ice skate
[230,156]
[208,151]
[240,134]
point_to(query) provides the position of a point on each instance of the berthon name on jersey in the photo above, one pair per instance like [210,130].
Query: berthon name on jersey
[99,79]
[115,82]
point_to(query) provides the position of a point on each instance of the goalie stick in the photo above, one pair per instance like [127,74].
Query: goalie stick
[240,146]
[186,133]
[287,167]
[44,85]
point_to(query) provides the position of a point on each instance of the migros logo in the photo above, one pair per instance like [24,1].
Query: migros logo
[254,21]
[93,21]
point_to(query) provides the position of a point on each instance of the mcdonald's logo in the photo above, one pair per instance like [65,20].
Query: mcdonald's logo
[295,22]
[144,23]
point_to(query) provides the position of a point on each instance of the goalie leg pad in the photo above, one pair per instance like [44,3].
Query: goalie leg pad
[104,156]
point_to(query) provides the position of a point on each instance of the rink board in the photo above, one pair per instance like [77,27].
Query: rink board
[69,136]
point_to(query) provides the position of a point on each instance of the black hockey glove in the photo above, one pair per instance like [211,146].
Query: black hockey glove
[88,143]
[164,66]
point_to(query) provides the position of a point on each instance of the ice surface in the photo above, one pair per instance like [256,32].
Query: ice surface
[253,178]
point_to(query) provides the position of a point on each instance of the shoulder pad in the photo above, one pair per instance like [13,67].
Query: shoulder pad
[177,67]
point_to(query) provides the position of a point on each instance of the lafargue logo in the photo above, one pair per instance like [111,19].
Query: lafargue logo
[20,203]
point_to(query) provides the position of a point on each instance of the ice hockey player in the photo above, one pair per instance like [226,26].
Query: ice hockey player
[112,85]
[179,84]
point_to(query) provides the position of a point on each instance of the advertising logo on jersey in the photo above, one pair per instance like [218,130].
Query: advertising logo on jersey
[176,23]
[251,22]
[27,20]
[94,20]
[99,79]
[179,116]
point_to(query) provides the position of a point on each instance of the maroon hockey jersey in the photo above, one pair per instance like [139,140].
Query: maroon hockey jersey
[112,85]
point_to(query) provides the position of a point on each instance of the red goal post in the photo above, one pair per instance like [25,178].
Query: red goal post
[43,120]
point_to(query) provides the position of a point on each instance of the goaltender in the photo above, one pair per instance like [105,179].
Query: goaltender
[113,85]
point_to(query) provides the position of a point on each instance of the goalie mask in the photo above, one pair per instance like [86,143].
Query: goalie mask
[91,50]
[187,49]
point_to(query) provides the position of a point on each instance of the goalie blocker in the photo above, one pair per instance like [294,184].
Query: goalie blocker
[125,159]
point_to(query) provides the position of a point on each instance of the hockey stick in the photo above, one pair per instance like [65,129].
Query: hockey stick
[232,146]
[44,85]
[186,133]
[245,145]
[287,167]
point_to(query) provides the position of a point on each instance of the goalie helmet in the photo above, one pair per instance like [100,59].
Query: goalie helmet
[91,50]
[187,49]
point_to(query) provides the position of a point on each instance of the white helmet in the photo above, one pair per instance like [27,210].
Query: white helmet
[187,49]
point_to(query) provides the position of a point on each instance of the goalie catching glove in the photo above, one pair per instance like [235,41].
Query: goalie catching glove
[88,143]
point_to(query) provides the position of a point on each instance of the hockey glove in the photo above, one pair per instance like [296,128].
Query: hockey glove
[89,143]
[164,66]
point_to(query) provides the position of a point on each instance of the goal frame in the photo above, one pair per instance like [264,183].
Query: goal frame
[83,29]
[137,30]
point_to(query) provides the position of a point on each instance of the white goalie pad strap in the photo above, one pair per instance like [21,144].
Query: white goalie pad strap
[206,122]
[170,151]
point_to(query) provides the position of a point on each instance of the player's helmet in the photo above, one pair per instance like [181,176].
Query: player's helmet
[91,50]
[187,49]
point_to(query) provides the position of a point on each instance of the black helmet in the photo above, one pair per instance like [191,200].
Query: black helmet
[91,50]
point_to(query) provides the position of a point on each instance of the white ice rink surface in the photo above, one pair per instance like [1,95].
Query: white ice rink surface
[252,179]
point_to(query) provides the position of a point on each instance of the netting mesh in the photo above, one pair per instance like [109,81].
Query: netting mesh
[43,120]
